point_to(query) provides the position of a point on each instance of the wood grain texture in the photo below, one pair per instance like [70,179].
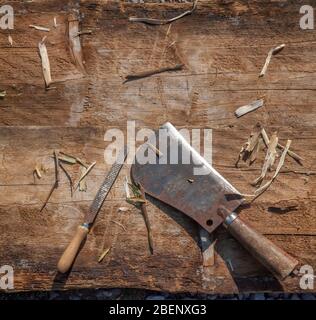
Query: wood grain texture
[223,45]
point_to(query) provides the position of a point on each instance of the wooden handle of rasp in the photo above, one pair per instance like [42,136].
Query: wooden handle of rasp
[69,255]
[275,259]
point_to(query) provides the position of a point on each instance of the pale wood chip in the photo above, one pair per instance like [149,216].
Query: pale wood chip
[10,40]
[39,28]
[84,174]
[249,108]
[292,154]
[3,94]
[160,22]
[45,63]
[248,150]
[67,159]
[123,209]
[55,22]
[104,253]
[255,151]
[271,53]
[263,188]
[83,182]
[74,41]
[38,172]
[269,159]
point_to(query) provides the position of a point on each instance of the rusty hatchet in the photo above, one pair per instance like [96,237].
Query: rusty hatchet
[179,176]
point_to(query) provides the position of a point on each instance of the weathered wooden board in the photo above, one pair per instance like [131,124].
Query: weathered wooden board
[223,46]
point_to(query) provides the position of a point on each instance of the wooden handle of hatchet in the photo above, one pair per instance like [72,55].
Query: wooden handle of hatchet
[69,255]
[280,263]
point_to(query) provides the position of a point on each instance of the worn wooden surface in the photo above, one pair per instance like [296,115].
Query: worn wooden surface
[223,46]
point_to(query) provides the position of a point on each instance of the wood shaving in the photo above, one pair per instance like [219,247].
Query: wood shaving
[263,188]
[83,182]
[249,108]
[67,159]
[160,22]
[39,28]
[74,41]
[149,73]
[190,180]
[84,174]
[55,22]
[119,224]
[104,253]
[3,94]
[56,183]
[271,53]
[153,148]
[10,40]
[37,172]
[146,218]
[292,154]
[45,63]
[269,159]
[123,209]
[250,149]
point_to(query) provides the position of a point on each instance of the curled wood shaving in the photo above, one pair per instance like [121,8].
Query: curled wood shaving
[292,154]
[84,174]
[119,224]
[123,209]
[249,108]
[3,94]
[263,188]
[37,172]
[160,22]
[45,63]
[39,28]
[149,73]
[10,40]
[103,254]
[153,148]
[269,159]
[271,53]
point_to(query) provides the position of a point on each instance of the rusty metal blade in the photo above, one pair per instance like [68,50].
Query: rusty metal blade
[175,182]
[106,186]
